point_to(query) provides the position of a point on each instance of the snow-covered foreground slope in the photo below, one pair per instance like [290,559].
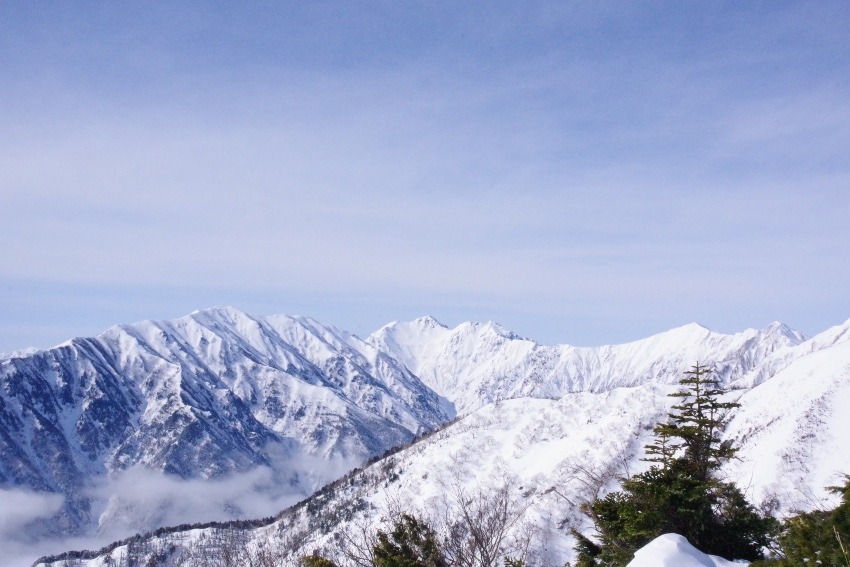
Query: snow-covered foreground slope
[553,454]
[673,550]
[264,404]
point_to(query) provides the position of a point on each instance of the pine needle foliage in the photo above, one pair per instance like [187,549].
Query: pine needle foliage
[315,561]
[696,422]
[412,543]
[818,538]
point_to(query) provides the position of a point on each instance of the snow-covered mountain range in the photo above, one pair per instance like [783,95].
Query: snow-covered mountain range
[220,393]
[475,364]
[212,394]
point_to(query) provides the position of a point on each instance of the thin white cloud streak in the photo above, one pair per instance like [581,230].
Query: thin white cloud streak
[292,236]
[625,173]
[810,128]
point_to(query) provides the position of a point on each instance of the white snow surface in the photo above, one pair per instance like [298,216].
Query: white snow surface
[557,425]
[673,550]
[474,364]
[281,402]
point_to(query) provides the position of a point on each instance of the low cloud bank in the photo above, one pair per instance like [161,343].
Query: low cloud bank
[18,510]
[139,500]
[20,507]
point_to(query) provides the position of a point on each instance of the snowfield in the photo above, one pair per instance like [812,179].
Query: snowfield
[673,550]
[551,426]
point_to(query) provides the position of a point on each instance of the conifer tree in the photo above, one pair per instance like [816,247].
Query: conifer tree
[681,492]
[315,560]
[411,543]
[697,422]
[820,537]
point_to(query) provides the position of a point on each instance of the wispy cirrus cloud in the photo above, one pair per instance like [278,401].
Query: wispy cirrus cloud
[567,160]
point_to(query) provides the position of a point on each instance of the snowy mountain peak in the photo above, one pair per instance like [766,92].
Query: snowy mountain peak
[214,393]
[478,363]
[223,310]
[782,331]
[428,322]
[420,326]
[789,429]
[488,328]
[694,327]
[223,313]
[20,353]
[687,333]
[220,392]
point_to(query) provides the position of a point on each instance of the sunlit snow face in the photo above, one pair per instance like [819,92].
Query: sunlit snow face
[673,549]
[557,446]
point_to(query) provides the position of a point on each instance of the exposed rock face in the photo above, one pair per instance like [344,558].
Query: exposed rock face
[219,393]
[213,393]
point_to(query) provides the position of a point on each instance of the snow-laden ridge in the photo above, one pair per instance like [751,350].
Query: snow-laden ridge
[220,392]
[552,452]
[210,394]
[475,364]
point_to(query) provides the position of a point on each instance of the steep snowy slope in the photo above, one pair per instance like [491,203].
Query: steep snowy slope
[552,454]
[474,364]
[535,446]
[220,393]
[793,430]
[213,393]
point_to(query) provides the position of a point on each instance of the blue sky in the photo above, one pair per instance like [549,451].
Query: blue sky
[585,173]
